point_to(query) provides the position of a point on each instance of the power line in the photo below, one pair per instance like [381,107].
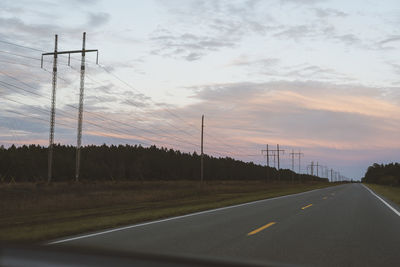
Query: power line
[103,119]
[174,126]
[22,64]
[22,46]
[19,55]
[97,115]
[120,81]
[167,110]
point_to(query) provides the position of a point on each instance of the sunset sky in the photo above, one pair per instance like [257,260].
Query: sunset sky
[318,76]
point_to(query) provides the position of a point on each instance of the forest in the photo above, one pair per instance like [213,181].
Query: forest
[126,162]
[388,174]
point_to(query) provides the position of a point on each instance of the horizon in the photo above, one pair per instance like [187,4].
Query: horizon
[325,82]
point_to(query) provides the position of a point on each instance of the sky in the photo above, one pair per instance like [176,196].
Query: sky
[316,76]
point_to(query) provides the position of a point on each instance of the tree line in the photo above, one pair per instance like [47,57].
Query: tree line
[388,174]
[126,162]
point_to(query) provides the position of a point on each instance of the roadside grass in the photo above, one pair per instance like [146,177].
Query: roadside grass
[390,192]
[36,213]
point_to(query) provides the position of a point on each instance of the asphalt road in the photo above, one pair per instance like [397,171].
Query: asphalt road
[343,225]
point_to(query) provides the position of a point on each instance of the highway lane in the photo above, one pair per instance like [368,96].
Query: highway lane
[343,225]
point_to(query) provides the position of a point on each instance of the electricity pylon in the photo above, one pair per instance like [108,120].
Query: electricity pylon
[202,155]
[80,109]
[53,110]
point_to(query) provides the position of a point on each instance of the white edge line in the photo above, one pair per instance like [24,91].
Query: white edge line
[177,217]
[384,202]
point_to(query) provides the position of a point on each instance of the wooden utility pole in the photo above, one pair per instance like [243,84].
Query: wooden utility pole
[276,154]
[267,155]
[293,154]
[278,150]
[312,167]
[279,166]
[81,93]
[202,155]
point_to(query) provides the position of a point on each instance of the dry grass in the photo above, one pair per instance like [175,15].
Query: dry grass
[32,213]
[390,192]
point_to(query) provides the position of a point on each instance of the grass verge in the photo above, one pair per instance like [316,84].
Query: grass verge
[32,213]
[390,192]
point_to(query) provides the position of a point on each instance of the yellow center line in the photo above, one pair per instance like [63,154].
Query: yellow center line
[325,198]
[261,228]
[303,208]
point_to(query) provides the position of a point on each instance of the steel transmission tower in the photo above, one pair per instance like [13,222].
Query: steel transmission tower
[202,155]
[80,112]
[80,109]
[53,110]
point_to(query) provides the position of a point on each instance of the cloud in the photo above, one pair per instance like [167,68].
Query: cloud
[396,67]
[244,60]
[228,92]
[307,114]
[218,25]
[313,72]
[296,32]
[84,2]
[274,68]
[138,100]
[302,2]
[319,30]
[390,39]
[37,34]
[329,12]
[24,127]
[349,39]
[188,46]
[98,19]
[17,27]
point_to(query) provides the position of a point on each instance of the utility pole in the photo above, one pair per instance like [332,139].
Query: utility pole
[267,155]
[80,114]
[278,151]
[317,168]
[279,166]
[312,167]
[300,154]
[53,111]
[202,155]
[293,154]
[81,94]
[331,175]
[274,155]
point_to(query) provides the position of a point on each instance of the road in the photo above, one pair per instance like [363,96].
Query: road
[343,225]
